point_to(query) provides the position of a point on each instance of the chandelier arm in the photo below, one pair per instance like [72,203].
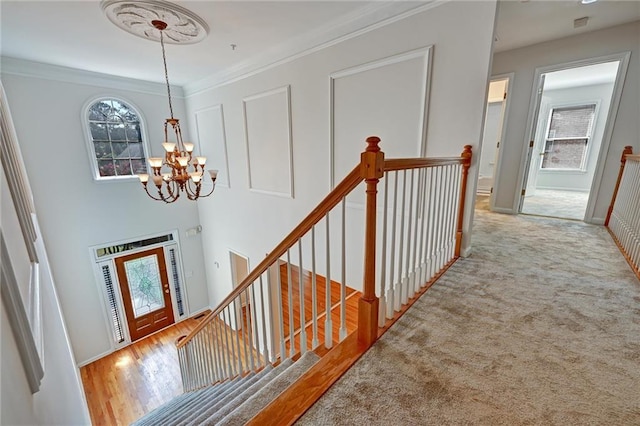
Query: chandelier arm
[146,189]
[210,192]
[173,188]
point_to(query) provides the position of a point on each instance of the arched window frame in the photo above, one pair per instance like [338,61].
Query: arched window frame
[93,158]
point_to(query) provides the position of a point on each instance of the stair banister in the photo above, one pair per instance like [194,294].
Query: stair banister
[372,169]
[339,192]
[628,150]
[439,233]
[466,155]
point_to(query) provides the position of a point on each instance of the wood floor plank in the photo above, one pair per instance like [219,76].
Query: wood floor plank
[125,385]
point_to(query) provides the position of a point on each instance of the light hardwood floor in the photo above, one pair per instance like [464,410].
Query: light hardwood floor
[131,382]
[126,384]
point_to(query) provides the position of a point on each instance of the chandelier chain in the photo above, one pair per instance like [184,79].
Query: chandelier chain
[166,73]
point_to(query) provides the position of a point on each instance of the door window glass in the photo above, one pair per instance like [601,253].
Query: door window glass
[145,285]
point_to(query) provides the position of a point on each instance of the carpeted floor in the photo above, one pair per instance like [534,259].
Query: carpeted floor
[539,326]
[554,203]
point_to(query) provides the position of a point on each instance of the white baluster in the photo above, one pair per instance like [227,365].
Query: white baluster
[402,280]
[382,314]
[292,343]
[328,322]
[303,324]
[314,292]
[283,352]
[409,276]
[394,299]
[343,284]
[265,346]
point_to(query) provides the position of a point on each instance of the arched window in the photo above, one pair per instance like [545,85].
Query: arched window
[116,139]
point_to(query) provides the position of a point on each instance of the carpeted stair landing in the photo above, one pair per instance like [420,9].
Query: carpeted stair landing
[233,402]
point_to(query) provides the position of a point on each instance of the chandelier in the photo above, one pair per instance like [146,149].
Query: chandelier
[179,171]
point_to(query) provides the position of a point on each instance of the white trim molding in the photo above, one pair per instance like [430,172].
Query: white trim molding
[286,90]
[352,25]
[200,137]
[424,53]
[19,320]
[623,58]
[24,68]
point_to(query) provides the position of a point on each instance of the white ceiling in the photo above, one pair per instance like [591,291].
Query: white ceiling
[76,34]
[525,22]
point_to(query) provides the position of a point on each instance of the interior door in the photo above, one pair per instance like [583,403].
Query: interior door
[145,292]
[529,184]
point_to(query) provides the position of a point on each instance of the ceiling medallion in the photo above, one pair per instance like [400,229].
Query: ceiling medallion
[137,17]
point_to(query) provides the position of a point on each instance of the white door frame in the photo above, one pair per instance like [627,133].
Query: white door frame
[235,282]
[503,131]
[623,59]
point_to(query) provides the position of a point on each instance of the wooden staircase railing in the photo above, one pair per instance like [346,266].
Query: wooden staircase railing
[420,236]
[623,216]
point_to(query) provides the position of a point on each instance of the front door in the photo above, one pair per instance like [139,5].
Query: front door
[145,292]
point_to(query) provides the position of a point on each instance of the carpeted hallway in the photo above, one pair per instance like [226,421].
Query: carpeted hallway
[540,326]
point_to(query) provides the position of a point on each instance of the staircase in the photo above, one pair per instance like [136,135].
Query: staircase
[247,344]
[233,402]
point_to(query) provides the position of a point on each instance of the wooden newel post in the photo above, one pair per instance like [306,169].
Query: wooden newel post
[371,169]
[628,150]
[466,157]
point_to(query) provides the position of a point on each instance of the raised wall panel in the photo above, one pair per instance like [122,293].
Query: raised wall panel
[267,119]
[213,142]
[386,98]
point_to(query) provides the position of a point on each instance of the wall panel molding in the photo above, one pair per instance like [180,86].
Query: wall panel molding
[268,137]
[372,96]
[212,142]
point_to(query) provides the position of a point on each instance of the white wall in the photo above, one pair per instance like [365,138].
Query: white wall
[60,400]
[252,223]
[77,212]
[523,63]
[490,137]
[576,180]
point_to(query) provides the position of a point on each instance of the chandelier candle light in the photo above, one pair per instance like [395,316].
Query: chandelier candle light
[183,172]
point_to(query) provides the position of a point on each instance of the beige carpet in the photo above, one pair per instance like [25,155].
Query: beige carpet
[555,203]
[540,326]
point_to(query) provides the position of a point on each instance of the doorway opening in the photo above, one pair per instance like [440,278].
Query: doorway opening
[572,113]
[240,271]
[494,126]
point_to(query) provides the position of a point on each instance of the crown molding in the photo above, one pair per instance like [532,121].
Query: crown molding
[360,21]
[25,68]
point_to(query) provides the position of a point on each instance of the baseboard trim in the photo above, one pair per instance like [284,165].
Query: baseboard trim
[503,210]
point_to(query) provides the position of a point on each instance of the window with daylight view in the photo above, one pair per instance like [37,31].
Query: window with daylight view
[116,139]
[568,137]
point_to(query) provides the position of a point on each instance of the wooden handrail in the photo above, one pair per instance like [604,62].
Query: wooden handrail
[627,154]
[370,168]
[329,202]
[415,163]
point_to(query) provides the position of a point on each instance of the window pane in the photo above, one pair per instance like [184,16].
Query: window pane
[106,168]
[123,167]
[573,122]
[99,111]
[116,132]
[99,131]
[103,149]
[138,166]
[143,276]
[120,150]
[564,154]
[135,150]
[133,132]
